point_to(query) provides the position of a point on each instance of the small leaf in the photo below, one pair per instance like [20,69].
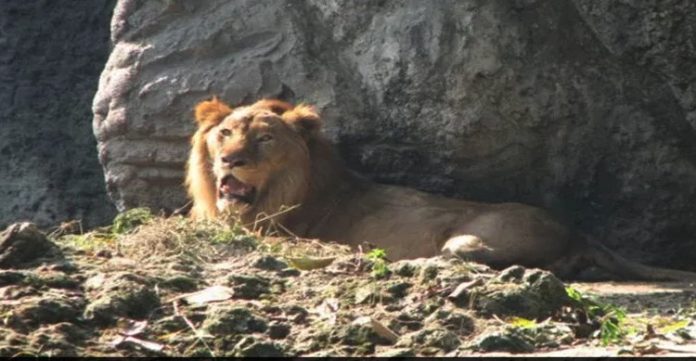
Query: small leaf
[307,263]
[574,294]
[149,345]
[673,327]
[366,294]
[379,328]
[208,295]
[384,331]
[327,310]
[463,287]
[136,328]
[522,322]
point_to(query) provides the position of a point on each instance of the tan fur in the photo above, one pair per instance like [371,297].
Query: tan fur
[285,188]
[299,168]
[200,180]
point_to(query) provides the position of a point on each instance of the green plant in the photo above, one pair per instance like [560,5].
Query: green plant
[210,232]
[127,221]
[378,257]
[230,235]
[376,253]
[609,317]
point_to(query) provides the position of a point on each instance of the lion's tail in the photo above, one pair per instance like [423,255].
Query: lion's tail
[613,262]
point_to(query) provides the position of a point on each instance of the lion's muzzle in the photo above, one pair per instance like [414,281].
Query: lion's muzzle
[232,189]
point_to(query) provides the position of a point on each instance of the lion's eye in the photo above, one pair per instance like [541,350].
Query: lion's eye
[225,132]
[265,138]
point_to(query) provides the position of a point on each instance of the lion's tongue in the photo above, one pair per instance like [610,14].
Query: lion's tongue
[231,185]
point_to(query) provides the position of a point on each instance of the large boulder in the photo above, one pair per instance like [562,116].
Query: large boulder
[583,108]
[50,58]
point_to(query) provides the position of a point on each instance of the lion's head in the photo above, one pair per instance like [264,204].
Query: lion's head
[250,160]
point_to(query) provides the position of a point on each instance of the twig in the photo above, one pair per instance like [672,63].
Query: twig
[192,327]
[65,228]
[285,229]
[358,266]
[183,210]
[267,217]
[499,320]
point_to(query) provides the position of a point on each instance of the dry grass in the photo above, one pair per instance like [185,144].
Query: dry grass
[139,235]
[179,236]
[209,240]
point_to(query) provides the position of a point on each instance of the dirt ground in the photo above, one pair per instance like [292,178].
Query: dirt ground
[659,299]
[149,286]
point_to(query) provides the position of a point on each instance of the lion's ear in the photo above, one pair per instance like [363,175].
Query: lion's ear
[304,119]
[211,111]
[276,106]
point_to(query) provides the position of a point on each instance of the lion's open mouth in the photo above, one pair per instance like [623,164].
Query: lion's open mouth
[232,189]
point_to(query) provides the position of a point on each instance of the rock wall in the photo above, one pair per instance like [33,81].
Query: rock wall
[51,53]
[586,108]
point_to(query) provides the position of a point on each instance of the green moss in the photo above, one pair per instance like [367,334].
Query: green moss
[58,280]
[406,269]
[122,295]
[429,273]
[514,342]
[129,220]
[180,283]
[226,320]
[89,242]
[249,286]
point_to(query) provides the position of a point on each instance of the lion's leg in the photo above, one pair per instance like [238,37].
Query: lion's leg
[469,248]
[510,234]
[474,249]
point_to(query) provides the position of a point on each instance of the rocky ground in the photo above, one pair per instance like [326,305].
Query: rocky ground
[153,286]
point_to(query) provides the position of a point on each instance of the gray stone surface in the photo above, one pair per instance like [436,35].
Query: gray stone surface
[51,53]
[582,107]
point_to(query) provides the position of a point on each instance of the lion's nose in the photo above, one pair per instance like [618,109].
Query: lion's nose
[234,161]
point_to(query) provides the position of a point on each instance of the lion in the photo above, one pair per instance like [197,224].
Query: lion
[269,164]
